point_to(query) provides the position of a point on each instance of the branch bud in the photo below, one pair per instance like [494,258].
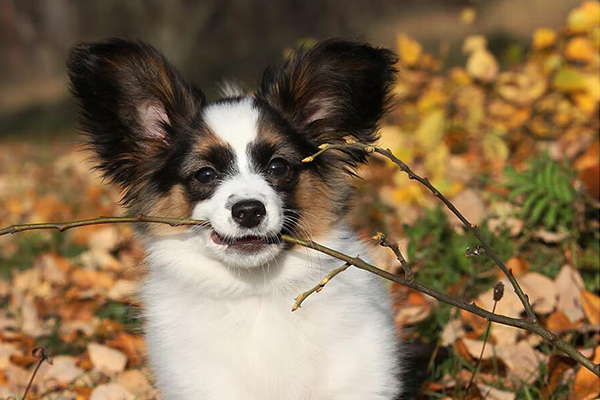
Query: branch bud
[498,291]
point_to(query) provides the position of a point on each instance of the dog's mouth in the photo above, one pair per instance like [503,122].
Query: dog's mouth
[249,243]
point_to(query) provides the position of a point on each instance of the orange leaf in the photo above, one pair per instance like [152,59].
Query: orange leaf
[558,322]
[586,385]
[591,306]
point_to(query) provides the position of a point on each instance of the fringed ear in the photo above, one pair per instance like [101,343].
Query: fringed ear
[334,90]
[132,104]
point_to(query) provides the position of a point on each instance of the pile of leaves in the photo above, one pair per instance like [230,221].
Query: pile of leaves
[514,144]
[512,141]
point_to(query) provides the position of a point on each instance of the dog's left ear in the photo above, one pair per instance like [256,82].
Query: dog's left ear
[337,89]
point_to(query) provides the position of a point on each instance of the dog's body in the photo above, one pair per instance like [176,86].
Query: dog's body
[217,299]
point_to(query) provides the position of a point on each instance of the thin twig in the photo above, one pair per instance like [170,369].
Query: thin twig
[301,297]
[436,193]
[385,242]
[498,294]
[63,226]
[42,355]
[527,325]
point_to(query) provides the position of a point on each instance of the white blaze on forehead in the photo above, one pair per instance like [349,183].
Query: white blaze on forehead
[237,124]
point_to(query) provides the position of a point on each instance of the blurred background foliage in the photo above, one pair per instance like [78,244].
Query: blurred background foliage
[497,103]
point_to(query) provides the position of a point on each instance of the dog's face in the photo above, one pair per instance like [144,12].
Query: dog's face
[236,162]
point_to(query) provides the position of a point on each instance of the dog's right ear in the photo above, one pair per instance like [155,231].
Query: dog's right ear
[132,105]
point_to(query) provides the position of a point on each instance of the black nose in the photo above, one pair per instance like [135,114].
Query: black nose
[248,213]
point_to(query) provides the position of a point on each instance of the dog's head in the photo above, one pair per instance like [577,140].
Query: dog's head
[235,162]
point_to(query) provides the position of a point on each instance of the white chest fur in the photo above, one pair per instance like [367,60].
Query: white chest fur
[228,343]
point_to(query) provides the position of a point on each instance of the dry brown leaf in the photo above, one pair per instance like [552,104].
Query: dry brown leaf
[470,203]
[518,265]
[586,385]
[557,366]
[6,351]
[111,391]
[63,370]
[132,346]
[482,65]
[106,359]
[136,383]
[558,322]
[452,331]
[591,306]
[491,393]
[104,239]
[568,285]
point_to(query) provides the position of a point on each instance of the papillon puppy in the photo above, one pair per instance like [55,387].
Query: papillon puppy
[217,299]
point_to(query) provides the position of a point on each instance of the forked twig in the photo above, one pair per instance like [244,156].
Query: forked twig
[301,297]
[425,182]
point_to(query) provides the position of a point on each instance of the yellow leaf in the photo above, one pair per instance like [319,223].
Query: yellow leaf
[460,76]
[579,49]
[408,49]
[584,18]
[544,38]
[430,132]
[436,161]
[399,143]
[569,80]
[494,147]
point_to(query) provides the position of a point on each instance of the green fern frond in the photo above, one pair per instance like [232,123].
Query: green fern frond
[544,191]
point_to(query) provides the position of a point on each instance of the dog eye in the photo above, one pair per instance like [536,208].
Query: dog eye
[278,167]
[206,175]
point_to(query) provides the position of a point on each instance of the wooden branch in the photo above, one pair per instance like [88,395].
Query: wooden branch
[425,182]
[63,226]
[528,325]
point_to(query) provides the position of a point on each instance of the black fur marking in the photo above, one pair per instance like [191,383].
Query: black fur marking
[222,158]
[111,80]
[333,90]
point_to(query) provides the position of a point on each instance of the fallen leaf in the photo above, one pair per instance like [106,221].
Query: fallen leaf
[63,370]
[136,383]
[518,265]
[105,359]
[584,18]
[453,330]
[557,366]
[558,322]
[591,306]
[543,38]
[482,65]
[569,80]
[491,393]
[111,391]
[568,284]
[409,50]
[471,205]
[586,385]
[6,351]
[580,49]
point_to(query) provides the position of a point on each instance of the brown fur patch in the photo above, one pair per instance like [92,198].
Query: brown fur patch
[313,199]
[174,204]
